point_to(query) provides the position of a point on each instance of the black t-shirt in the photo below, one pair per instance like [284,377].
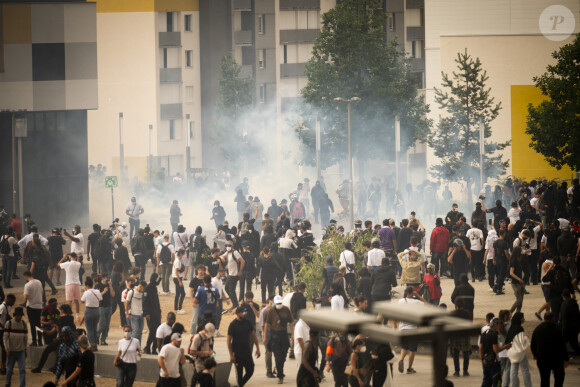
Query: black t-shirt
[106,301]
[93,238]
[241,333]
[517,269]
[66,321]
[453,216]
[213,265]
[404,239]
[488,339]
[87,365]
[50,316]
[460,257]
[250,316]
[205,379]
[195,283]
[55,244]
[500,246]
[249,264]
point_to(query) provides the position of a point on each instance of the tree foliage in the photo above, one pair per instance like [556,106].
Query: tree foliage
[234,106]
[351,58]
[554,124]
[465,99]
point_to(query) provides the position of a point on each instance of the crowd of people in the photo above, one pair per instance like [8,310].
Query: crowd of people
[535,242]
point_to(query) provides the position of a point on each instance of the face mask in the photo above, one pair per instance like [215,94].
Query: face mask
[279,306]
[215,206]
[228,248]
[363,349]
[128,335]
[74,232]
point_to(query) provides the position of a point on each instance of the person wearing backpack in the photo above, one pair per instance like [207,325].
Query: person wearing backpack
[296,208]
[165,256]
[7,243]
[201,348]
[235,264]
[559,279]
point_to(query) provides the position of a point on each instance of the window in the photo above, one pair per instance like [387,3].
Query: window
[262,93]
[169,21]
[172,129]
[391,22]
[261,24]
[262,59]
[187,23]
[191,130]
[188,58]
[188,94]
[285,53]
[165,58]
[414,49]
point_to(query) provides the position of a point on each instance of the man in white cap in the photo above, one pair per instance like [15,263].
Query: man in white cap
[169,358]
[201,348]
[275,327]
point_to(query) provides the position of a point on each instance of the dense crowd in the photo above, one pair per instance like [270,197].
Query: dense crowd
[536,241]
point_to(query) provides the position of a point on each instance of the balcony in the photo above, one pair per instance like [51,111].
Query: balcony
[243,38]
[242,5]
[289,5]
[415,33]
[170,75]
[418,65]
[292,70]
[415,4]
[169,39]
[298,36]
[171,111]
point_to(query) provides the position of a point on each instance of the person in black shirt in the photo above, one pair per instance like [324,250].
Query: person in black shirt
[268,269]
[240,332]
[516,274]
[549,350]
[152,313]
[499,213]
[451,217]
[404,238]
[488,350]
[459,253]
[104,286]
[55,243]
[84,374]
[121,254]
[501,259]
[65,319]
[249,272]
[466,293]
[212,262]
[250,308]
[91,246]
[194,284]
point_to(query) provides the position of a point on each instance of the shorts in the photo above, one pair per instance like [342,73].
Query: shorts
[546,291]
[151,256]
[411,347]
[53,263]
[72,292]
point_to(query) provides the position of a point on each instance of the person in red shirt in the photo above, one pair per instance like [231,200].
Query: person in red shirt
[17,226]
[438,245]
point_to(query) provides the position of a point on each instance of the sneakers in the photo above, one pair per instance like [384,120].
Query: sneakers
[281,380]
[465,373]
[218,334]
[401,366]
[34,371]
[456,373]
[499,293]
[181,311]
[538,316]
[491,290]
[270,375]
[105,343]
[147,351]
[411,371]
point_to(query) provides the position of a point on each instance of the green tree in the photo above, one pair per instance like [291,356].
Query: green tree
[351,58]
[554,124]
[234,105]
[465,99]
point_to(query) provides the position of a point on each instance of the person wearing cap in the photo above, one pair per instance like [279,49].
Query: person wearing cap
[169,359]
[55,243]
[276,325]
[133,211]
[488,349]
[15,342]
[234,262]
[262,322]
[240,332]
[201,348]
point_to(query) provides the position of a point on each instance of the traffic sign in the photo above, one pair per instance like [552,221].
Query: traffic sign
[111,182]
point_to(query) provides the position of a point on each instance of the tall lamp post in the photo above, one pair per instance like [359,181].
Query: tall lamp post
[481,152]
[150,158]
[350,171]
[187,149]
[121,149]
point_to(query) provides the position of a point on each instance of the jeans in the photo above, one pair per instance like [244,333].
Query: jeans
[133,227]
[525,367]
[501,266]
[8,265]
[137,327]
[231,283]
[350,283]
[169,382]
[141,262]
[106,266]
[152,324]
[490,273]
[104,322]
[52,347]
[546,366]
[193,323]
[165,275]
[20,357]
[439,260]
[122,315]
[505,370]
[126,374]
[245,283]
[555,306]
[518,289]
[491,375]
[179,295]
[456,360]
[267,284]
[34,320]
[219,310]
[91,322]
[244,362]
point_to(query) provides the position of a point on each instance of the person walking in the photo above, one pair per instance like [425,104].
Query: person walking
[174,215]
[461,343]
[165,256]
[177,275]
[276,328]
[72,267]
[241,334]
[134,210]
[338,353]
[516,274]
[15,342]
[152,313]
[91,298]
[170,358]
[439,244]
[201,348]
[488,349]
[570,321]
[465,292]
[117,286]
[549,349]
[308,375]
[106,290]
[234,262]
[518,351]
[84,374]
[347,259]
[433,282]
[134,309]
[68,355]
[128,354]
[7,243]
[5,309]
[408,300]
[33,293]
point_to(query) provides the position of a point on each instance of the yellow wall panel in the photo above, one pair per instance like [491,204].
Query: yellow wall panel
[526,162]
[176,5]
[107,6]
[16,25]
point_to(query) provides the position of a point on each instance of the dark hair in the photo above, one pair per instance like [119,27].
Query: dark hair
[489,316]
[439,222]
[89,282]
[66,309]
[27,273]
[249,295]
[405,222]
[209,363]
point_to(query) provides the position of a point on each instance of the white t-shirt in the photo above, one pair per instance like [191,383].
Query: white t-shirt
[160,246]
[11,242]
[135,297]
[301,331]
[77,247]
[91,298]
[475,235]
[491,238]
[163,331]
[337,302]
[347,257]
[129,350]
[134,210]
[4,312]
[563,223]
[218,284]
[232,265]
[534,240]
[287,299]
[534,202]
[405,325]
[172,356]
[176,266]
[180,240]
[71,269]
[514,215]
[33,289]
[376,257]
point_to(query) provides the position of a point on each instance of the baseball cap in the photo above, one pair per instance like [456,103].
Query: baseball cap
[278,300]
[210,329]
[176,336]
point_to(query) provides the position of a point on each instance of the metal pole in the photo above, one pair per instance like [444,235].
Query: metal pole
[397,151]
[121,150]
[350,174]
[187,150]
[112,204]
[14,171]
[481,151]
[439,355]
[20,184]
[317,147]
[150,158]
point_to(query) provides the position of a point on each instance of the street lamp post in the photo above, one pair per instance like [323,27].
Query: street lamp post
[481,151]
[121,149]
[350,169]
[150,158]
[187,150]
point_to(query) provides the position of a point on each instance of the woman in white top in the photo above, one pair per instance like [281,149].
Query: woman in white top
[518,352]
[128,354]
[347,259]
[177,275]
[91,298]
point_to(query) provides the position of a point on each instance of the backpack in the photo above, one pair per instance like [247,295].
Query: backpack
[165,254]
[148,240]
[201,342]
[298,210]
[4,246]
[561,280]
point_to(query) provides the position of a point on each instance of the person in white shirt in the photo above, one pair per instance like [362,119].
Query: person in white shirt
[8,260]
[165,329]
[336,299]
[218,284]
[375,255]
[301,335]
[133,211]
[134,308]
[488,258]
[181,239]
[475,236]
[91,298]
[71,267]
[77,242]
[219,239]
[170,356]
[234,262]
[34,296]
[514,213]
[176,274]
[128,354]
[411,348]
[28,238]
[347,259]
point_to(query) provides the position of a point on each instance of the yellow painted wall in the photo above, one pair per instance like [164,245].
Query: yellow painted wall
[527,163]
[104,6]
